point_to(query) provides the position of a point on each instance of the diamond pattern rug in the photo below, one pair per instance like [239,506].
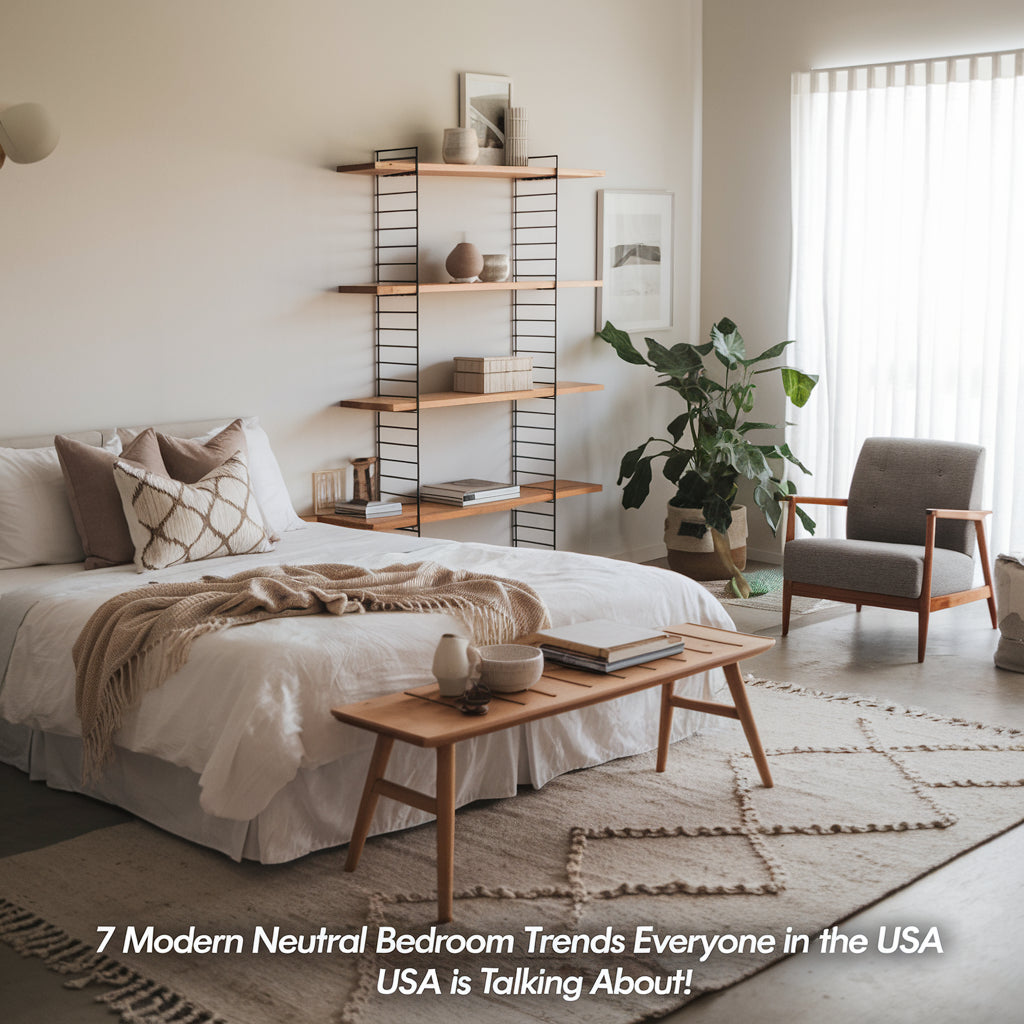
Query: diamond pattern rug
[637,890]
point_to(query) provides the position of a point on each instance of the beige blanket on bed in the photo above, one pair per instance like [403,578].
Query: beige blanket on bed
[134,641]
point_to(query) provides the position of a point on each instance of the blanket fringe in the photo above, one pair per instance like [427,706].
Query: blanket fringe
[133,997]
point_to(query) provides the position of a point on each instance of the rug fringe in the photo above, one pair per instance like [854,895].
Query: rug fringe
[136,999]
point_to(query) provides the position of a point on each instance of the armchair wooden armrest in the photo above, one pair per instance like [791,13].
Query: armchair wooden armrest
[978,515]
[800,499]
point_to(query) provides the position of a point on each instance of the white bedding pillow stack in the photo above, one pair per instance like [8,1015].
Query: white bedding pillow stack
[267,480]
[37,526]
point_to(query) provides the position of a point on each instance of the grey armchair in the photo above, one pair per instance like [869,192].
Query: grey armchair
[911,528]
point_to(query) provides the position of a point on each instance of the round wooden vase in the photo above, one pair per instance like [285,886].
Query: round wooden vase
[696,557]
[464,262]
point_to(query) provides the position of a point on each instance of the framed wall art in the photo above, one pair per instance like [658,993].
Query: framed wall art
[483,101]
[634,259]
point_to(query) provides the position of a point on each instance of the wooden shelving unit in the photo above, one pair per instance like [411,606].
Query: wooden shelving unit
[428,288]
[494,172]
[533,290]
[443,399]
[435,511]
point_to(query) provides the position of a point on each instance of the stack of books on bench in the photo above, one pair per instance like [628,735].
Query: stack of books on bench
[469,492]
[600,645]
[368,509]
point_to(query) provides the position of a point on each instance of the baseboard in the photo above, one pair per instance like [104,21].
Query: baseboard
[758,555]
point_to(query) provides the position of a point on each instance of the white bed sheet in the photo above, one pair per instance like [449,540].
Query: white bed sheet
[246,722]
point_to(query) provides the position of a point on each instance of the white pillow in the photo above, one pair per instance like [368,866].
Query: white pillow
[267,480]
[171,522]
[37,526]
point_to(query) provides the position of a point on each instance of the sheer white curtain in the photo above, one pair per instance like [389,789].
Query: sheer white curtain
[907,293]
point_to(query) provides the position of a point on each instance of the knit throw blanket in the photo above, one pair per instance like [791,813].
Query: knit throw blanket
[134,641]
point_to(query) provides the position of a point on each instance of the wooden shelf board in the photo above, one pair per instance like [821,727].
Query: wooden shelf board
[402,288]
[435,512]
[443,399]
[464,170]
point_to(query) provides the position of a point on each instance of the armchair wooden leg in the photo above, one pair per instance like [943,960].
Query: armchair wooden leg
[922,632]
[787,601]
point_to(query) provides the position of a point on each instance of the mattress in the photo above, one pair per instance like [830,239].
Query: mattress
[238,750]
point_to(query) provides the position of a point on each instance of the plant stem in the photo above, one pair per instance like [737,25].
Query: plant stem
[724,552]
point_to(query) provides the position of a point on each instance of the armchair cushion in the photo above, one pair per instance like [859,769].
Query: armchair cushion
[893,569]
[896,479]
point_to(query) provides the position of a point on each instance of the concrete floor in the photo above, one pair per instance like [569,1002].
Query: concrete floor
[979,897]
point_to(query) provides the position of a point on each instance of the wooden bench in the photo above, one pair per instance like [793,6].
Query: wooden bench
[423,718]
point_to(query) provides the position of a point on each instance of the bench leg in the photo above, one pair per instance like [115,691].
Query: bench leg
[665,724]
[734,678]
[368,803]
[445,831]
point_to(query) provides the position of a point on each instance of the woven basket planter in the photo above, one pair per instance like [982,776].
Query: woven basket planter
[696,557]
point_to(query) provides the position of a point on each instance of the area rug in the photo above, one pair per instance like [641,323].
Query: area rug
[612,895]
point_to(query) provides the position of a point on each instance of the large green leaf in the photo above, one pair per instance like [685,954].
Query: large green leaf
[787,454]
[634,494]
[728,343]
[769,353]
[798,385]
[629,461]
[751,425]
[678,427]
[620,341]
[678,361]
[717,513]
[676,463]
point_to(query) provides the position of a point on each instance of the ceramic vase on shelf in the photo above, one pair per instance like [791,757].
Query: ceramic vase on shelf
[452,664]
[515,137]
[460,146]
[496,267]
[464,262]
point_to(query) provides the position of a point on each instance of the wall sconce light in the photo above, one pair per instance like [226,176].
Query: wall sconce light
[26,133]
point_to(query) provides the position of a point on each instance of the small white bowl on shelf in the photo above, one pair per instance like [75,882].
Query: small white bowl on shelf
[510,668]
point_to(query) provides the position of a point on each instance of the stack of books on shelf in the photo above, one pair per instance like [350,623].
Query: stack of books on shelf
[600,645]
[469,492]
[368,509]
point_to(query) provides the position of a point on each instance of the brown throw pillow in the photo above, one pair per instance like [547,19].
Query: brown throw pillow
[189,461]
[94,498]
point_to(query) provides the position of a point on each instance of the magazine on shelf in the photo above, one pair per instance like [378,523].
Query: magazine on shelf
[446,499]
[368,509]
[470,489]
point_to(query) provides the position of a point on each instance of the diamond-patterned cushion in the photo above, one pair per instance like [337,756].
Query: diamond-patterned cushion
[171,522]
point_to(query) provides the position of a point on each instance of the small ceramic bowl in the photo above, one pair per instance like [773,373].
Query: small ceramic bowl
[509,668]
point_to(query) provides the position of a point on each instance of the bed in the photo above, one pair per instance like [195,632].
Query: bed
[237,749]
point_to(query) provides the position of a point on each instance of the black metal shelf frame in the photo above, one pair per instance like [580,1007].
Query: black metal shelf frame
[397,326]
[534,331]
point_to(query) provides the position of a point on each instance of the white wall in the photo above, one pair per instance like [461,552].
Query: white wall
[750,50]
[176,257]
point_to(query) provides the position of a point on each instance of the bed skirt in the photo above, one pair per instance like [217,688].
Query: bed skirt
[317,808]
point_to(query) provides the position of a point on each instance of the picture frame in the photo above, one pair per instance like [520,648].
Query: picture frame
[634,258]
[483,100]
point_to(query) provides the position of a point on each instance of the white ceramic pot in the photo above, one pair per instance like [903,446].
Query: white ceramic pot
[496,267]
[460,146]
[451,665]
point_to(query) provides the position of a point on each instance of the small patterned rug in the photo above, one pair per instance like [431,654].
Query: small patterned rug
[610,896]
[766,594]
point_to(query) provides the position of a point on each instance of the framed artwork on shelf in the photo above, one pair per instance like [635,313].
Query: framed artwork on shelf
[634,259]
[328,490]
[483,102]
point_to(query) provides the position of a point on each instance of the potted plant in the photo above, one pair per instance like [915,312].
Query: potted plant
[709,450]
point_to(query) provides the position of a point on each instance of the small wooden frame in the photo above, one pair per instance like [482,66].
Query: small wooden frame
[422,717]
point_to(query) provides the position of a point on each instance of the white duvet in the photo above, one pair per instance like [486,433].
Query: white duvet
[251,709]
